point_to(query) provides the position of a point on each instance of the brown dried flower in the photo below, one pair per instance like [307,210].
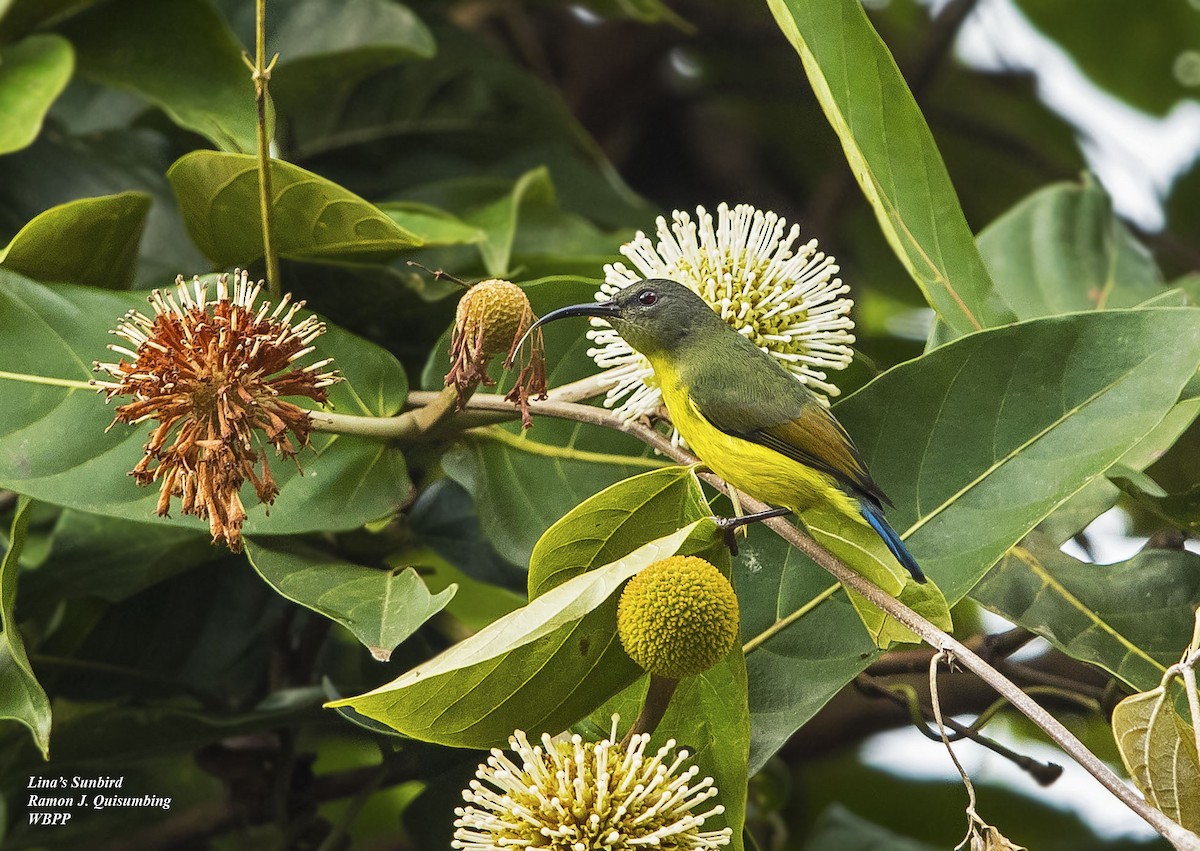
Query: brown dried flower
[212,374]
[492,319]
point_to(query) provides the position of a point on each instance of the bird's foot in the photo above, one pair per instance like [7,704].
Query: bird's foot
[730,525]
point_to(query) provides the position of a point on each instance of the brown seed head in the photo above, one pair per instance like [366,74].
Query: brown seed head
[212,374]
[491,319]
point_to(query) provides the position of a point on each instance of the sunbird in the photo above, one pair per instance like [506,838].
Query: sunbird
[746,419]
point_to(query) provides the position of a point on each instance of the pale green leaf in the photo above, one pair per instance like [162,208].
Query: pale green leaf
[33,72]
[91,241]
[314,218]
[381,606]
[613,523]
[540,668]
[893,156]
[1159,751]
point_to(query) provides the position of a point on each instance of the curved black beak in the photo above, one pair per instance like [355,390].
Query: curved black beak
[603,310]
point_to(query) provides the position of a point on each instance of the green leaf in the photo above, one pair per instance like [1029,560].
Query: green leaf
[524,481]
[314,219]
[91,241]
[1129,618]
[382,607]
[1063,250]
[1181,510]
[327,46]
[1159,751]
[33,72]
[431,225]
[475,603]
[966,495]
[57,169]
[615,522]
[106,557]
[53,445]
[18,18]
[1060,402]
[88,735]
[472,111]
[178,54]
[1118,37]
[22,698]
[540,668]
[498,220]
[893,156]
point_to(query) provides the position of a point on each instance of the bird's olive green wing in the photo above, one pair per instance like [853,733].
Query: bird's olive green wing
[774,410]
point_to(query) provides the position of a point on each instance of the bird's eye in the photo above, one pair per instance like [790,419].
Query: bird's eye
[647,297]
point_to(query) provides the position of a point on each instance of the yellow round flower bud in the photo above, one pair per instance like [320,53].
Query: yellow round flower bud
[678,617]
[493,314]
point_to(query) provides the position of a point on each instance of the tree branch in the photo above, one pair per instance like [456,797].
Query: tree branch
[260,73]
[928,632]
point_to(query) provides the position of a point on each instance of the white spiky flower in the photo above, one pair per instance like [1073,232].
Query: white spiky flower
[787,300]
[572,795]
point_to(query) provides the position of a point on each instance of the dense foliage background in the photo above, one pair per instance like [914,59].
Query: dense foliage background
[528,141]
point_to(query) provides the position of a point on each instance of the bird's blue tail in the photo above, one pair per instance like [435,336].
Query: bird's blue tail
[874,515]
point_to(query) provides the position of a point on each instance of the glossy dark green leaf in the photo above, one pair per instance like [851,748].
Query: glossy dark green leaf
[91,241]
[894,158]
[470,112]
[18,18]
[542,667]
[33,72]
[524,481]
[88,735]
[22,697]
[314,218]
[178,54]
[53,443]
[1061,403]
[92,555]
[382,607]
[325,47]
[1131,618]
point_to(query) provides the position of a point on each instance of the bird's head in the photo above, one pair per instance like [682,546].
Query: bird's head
[654,316]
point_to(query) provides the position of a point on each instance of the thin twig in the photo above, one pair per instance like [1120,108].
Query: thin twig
[928,632]
[260,73]
[905,696]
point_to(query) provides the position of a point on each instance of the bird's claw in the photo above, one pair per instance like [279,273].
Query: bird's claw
[730,525]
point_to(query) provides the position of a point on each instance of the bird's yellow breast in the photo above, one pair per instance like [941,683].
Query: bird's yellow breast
[759,471]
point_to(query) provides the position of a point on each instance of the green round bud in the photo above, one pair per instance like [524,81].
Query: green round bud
[678,617]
